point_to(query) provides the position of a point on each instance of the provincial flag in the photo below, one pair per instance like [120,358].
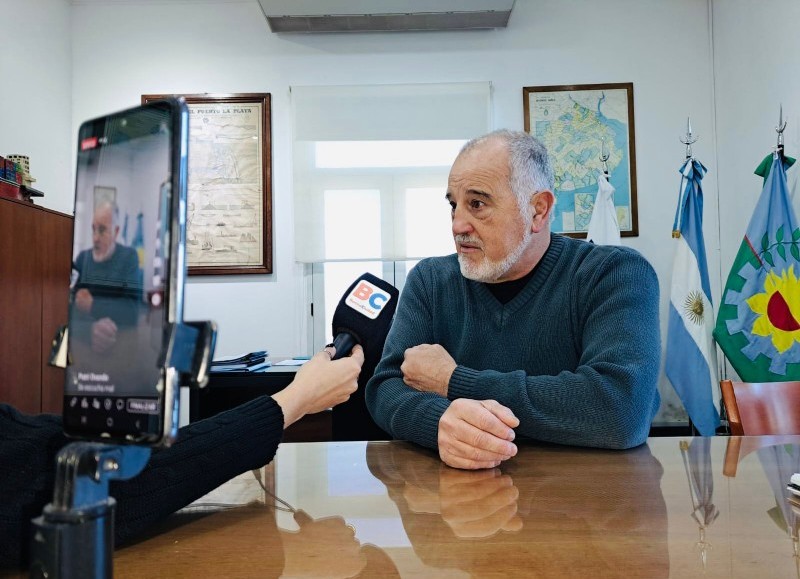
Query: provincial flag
[766,164]
[758,327]
[691,359]
[603,226]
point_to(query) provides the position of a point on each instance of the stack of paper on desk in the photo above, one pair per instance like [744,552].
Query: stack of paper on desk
[252,362]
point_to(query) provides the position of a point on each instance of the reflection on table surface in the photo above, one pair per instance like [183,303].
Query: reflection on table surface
[391,509]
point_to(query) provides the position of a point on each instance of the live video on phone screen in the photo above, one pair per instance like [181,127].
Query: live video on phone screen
[119,274]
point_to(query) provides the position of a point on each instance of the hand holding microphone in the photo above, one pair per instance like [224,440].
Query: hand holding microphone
[320,384]
[363,316]
[360,324]
[330,382]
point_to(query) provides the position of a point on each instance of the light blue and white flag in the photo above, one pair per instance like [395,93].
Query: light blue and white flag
[691,361]
[603,226]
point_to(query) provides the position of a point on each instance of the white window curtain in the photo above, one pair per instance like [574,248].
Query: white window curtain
[371,164]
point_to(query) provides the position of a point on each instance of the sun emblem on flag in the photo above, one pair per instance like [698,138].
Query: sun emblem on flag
[778,309]
[693,307]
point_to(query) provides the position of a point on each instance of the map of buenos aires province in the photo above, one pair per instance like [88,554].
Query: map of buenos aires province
[575,140]
[573,127]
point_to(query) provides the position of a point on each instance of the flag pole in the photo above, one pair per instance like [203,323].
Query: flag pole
[779,128]
[702,544]
[604,156]
[688,139]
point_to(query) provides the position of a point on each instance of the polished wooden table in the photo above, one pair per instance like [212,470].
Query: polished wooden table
[675,507]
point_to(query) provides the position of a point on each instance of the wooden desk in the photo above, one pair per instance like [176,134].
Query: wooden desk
[390,509]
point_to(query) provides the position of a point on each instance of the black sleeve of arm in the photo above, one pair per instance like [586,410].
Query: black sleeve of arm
[206,454]
[28,446]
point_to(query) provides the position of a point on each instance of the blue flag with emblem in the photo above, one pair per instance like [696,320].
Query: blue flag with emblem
[691,360]
[758,327]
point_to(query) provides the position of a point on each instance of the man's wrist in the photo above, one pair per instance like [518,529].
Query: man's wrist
[445,380]
[462,383]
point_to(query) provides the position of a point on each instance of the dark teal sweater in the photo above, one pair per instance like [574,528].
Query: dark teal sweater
[575,355]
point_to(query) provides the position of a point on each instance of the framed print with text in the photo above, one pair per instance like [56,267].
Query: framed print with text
[574,122]
[229,199]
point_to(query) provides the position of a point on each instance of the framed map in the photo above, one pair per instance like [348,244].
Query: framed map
[575,123]
[229,199]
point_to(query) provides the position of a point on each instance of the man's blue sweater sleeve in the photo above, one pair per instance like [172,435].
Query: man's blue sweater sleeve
[400,410]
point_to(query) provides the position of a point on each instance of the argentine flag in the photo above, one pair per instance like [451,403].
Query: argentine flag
[691,362]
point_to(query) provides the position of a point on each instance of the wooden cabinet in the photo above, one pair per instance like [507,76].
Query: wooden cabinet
[35,265]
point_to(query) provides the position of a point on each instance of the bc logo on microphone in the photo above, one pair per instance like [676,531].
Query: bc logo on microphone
[367,299]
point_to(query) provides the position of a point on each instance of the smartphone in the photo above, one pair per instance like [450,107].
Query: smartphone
[128,270]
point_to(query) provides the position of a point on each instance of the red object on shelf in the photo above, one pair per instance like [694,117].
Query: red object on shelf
[10,190]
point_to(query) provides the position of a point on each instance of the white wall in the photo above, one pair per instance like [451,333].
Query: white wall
[35,94]
[756,44]
[125,48]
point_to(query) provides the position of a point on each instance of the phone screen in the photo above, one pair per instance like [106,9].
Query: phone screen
[125,289]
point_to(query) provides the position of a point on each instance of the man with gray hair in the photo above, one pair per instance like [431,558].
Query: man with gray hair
[522,331]
[107,290]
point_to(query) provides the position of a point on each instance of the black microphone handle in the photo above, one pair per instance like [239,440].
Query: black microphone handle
[343,342]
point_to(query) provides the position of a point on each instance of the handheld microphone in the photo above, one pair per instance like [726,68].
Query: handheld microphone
[363,316]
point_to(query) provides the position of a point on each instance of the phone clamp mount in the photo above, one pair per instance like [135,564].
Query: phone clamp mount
[74,536]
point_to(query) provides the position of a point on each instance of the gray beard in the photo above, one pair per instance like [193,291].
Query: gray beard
[488,271]
[104,257]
